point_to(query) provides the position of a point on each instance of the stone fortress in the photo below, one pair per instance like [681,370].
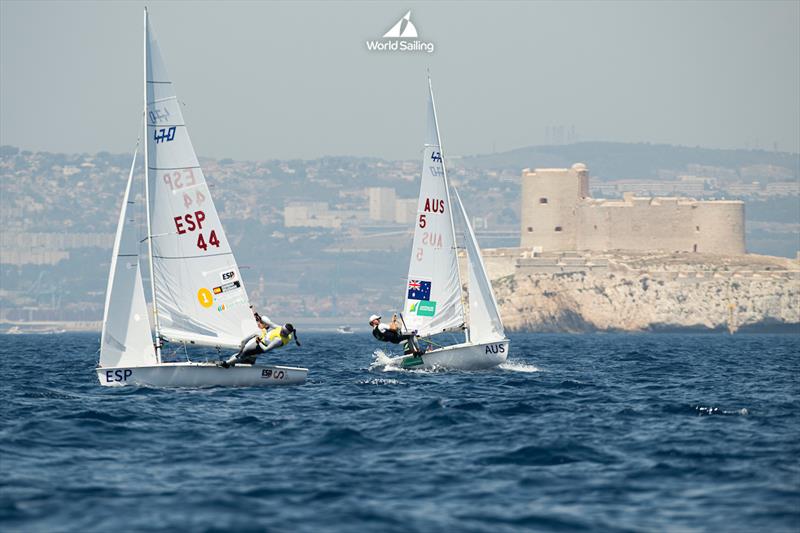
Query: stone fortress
[558,214]
[635,264]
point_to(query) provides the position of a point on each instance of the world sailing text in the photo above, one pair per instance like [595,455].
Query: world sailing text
[400,46]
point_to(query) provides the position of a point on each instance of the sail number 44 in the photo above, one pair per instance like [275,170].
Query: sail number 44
[194,222]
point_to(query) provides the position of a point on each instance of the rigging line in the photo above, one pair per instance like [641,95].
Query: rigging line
[432,343]
[158,235]
[139,137]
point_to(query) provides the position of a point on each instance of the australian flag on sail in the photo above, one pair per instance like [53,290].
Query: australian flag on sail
[419,290]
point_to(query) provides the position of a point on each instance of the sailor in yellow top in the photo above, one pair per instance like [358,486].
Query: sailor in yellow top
[271,336]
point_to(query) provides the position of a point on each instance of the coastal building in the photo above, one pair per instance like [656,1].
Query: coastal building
[309,215]
[385,206]
[405,210]
[558,214]
[381,203]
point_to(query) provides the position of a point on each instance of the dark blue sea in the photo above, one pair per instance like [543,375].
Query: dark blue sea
[577,433]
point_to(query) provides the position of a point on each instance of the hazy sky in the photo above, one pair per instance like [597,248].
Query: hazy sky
[264,80]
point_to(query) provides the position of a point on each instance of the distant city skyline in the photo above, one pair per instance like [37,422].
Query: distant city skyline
[271,80]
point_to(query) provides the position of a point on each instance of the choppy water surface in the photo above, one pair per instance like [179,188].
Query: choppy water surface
[595,432]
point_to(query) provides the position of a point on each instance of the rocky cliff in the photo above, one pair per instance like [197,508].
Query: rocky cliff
[645,292]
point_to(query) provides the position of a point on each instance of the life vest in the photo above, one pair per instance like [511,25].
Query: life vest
[275,333]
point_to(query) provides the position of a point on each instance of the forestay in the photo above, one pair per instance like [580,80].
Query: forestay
[126,339]
[484,318]
[199,291]
[433,291]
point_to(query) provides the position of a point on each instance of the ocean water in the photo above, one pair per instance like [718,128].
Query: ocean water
[576,433]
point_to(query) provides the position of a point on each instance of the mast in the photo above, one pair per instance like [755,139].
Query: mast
[449,200]
[147,202]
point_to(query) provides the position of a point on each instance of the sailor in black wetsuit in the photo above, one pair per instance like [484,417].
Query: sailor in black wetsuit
[391,333]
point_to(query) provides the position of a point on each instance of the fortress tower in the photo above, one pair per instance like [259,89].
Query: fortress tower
[559,215]
[550,197]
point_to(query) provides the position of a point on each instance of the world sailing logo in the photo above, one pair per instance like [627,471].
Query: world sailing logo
[402,37]
[403,28]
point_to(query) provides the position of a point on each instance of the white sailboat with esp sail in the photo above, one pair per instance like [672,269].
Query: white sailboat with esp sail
[198,295]
[434,303]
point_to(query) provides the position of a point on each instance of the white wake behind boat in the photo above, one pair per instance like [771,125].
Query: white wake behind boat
[434,302]
[197,291]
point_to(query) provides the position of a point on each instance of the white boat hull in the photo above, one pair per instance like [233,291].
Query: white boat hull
[458,357]
[188,374]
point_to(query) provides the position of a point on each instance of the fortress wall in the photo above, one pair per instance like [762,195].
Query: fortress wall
[548,207]
[669,224]
[721,227]
[646,224]
[594,223]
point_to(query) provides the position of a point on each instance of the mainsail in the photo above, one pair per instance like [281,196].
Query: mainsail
[433,292]
[199,293]
[126,339]
[484,318]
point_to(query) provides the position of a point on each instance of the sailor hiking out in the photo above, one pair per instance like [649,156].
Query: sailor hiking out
[271,336]
[392,332]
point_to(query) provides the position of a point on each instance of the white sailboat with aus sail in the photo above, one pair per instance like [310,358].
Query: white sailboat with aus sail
[434,303]
[198,294]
